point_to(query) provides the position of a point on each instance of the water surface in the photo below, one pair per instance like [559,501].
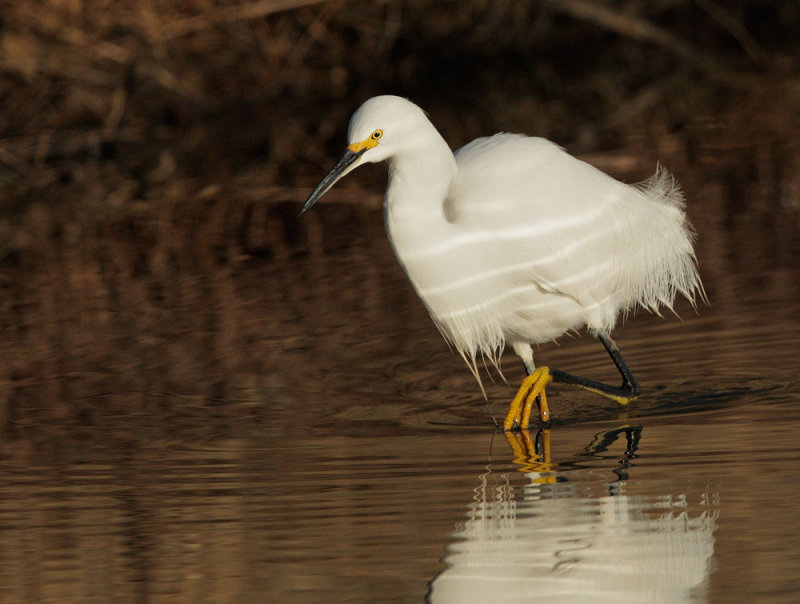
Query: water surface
[295,430]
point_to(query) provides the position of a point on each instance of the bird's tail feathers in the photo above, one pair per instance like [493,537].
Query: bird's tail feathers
[669,263]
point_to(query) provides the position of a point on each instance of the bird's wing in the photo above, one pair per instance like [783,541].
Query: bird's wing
[507,181]
[542,205]
[574,230]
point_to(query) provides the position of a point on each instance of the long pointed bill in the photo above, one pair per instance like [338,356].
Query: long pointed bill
[342,167]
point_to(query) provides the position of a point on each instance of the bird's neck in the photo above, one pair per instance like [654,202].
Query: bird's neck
[419,181]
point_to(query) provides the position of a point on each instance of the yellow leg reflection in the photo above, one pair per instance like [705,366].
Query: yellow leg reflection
[532,454]
[519,411]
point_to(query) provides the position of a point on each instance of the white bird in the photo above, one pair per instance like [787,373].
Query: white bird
[511,240]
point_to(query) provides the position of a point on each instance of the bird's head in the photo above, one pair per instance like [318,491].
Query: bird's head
[381,128]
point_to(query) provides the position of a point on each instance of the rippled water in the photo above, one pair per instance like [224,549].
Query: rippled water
[361,463]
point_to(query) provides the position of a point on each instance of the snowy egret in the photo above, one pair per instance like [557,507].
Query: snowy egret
[511,240]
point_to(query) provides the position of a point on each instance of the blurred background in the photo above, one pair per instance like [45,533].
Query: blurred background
[152,156]
[198,391]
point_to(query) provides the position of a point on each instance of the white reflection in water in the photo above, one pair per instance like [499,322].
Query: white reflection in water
[584,540]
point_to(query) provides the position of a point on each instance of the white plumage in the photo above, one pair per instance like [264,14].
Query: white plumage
[511,240]
[563,542]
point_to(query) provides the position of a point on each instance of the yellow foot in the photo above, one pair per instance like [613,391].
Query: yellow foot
[519,412]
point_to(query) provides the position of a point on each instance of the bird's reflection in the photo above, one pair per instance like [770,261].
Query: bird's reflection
[579,530]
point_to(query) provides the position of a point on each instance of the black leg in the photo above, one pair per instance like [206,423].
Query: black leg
[625,393]
[603,440]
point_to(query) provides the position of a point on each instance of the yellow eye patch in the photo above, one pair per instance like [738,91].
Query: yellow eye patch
[367,143]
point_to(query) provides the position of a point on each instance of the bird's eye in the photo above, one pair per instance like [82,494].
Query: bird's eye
[376,135]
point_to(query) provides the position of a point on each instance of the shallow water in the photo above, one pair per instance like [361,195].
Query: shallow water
[361,464]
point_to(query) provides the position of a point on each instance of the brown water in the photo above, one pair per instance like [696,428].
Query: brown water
[344,455]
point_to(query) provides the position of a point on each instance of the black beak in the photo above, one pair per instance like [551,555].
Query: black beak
[335,174]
